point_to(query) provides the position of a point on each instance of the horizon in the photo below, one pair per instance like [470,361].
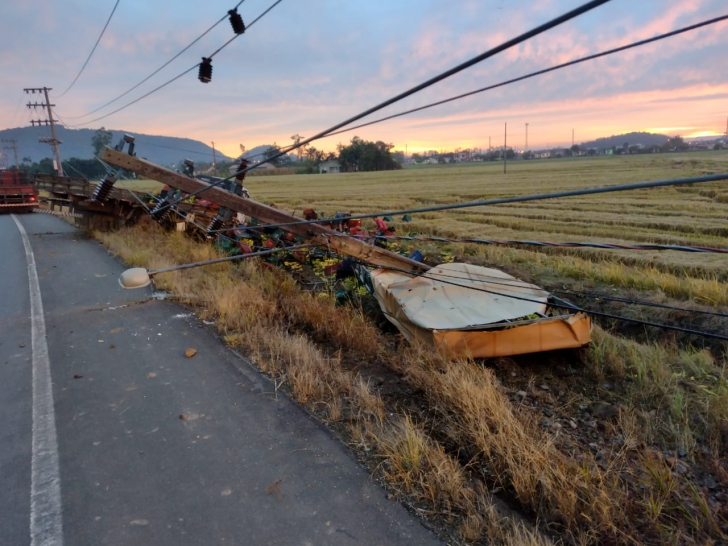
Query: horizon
[352,57]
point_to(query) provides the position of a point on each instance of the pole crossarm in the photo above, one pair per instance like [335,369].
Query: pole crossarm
[316,233]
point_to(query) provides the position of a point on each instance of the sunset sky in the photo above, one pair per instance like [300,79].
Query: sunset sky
[311,63]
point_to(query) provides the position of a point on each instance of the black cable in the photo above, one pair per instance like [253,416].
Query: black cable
[598,296]
[521,78]
[521,199]
[137,99]
[568,306]
[193,42]
[539,72]
[219,49]
[92,50]
[432,81]
[172,80]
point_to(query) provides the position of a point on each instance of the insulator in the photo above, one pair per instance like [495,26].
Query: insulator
[205,72]
[236,21]
[160,215]
[189,169]
[215,224]
[103,189]
[240,176]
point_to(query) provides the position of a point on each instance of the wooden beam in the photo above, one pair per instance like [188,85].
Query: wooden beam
[263,213]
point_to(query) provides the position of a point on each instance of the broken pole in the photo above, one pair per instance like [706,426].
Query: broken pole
[316,233]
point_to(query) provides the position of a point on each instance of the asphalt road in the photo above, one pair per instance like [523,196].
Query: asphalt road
[243,467]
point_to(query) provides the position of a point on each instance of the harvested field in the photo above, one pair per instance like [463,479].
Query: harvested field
[622,443]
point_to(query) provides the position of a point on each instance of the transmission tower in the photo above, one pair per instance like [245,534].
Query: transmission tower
[53,141]
[13,144]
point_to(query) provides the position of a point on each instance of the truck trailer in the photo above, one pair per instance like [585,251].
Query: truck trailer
[17,193]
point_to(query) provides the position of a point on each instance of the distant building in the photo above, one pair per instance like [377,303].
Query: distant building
[332,166]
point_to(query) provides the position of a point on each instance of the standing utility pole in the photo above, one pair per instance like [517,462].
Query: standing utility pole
[214,160]
[526,148]
[572,138]
[505,148]
[53,141]
[14,143]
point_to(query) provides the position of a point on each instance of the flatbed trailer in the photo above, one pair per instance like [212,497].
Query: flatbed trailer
[17,194]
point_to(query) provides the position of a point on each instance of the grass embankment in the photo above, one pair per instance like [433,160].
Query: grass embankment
[455,441]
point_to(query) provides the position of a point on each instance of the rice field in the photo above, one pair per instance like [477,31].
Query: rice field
[685,215]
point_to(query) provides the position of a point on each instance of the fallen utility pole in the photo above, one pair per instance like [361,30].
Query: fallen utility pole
[316,233]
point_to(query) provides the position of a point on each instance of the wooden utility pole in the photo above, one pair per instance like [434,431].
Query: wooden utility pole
[13,144]
[214,160]
[53,141]
[505,148]
[268,215]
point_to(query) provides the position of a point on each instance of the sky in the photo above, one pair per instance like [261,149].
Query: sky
[309,64]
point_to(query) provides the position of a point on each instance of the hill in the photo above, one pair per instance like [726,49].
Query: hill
[163,150]
[646,139]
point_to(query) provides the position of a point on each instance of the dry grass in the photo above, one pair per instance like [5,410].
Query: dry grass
[315,351]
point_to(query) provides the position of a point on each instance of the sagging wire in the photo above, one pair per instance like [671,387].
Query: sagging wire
[564,305]
[432,81]
[604,246]
[92,51]
[514,284]
[112,101]
[540,72]
[518,199]
[190,69]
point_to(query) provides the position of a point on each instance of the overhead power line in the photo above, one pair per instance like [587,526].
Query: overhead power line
[158,70]
[127,105]
[521,78]
[92,50]
[432,81]
[540,72]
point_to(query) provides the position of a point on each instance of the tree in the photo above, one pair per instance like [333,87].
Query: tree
[675,144]
[270,152]
[296,140]
[363,155]
[575,149]
[101,138]
[416,158]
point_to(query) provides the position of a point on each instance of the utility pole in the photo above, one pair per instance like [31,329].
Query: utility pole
[53,141]
[505,148]
[214,160]
[526,148]
[14,143]
[490,148]
[572,138]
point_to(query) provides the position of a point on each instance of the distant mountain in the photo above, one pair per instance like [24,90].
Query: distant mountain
[646,139]
[162,150]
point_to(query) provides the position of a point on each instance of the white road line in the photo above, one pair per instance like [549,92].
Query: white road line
[46,524]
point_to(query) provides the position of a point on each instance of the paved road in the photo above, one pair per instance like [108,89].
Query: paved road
[244,467]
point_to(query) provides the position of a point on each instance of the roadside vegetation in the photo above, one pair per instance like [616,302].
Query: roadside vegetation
[623,444]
